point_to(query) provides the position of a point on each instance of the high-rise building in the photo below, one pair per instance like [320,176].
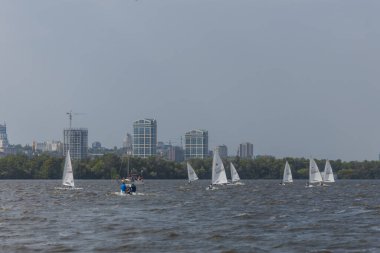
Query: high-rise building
[196,144]
[223,151]
[76,140]
[145,138]
[245,150]
[175,154]
[3,138]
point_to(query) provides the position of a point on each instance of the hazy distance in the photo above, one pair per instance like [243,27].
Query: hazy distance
[294,77]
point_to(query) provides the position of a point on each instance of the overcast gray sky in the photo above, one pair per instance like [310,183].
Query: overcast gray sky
[294,77]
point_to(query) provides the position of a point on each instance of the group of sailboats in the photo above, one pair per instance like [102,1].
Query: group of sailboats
[315,177]
[219,176]
[68,176]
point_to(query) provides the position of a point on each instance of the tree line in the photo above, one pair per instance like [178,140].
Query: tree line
[112,166]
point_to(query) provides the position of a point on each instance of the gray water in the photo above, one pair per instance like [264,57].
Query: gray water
[173,216]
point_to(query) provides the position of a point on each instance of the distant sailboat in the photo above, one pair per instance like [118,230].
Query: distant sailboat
[134,178]
[68,176]
[328,175]
[314,174]
[287,178]
[191,173]
[218,172]
[235,179]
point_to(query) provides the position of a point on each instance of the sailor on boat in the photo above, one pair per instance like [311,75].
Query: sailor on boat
[133,188]
[126,188]
[123,187]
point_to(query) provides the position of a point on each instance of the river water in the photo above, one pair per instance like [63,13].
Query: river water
[172,216]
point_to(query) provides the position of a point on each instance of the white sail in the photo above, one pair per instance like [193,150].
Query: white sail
[191,173]
[288,178]
[328,175]
[68,177]
[218,171]
[314,174]
[234,175]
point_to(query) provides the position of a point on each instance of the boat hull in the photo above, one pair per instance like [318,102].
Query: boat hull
[127,194]
[68,188]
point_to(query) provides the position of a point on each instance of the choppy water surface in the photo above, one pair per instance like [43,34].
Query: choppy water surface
[172,216]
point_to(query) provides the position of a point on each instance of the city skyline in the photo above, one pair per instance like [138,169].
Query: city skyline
[295,78]
[51,145]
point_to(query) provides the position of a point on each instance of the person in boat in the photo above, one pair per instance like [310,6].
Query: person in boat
[123,187]
[127,188]
[133,188]
[210,186]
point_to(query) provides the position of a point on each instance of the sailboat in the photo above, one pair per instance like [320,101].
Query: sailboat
[287,178]
[314,174]
[235,179]
[135,178]
[191,173]
[68,176]
[218,172]
[328,175]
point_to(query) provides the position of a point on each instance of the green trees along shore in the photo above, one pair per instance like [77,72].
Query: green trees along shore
[111,166]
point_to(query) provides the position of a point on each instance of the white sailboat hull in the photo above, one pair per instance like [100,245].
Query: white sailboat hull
[68,188]
[123,194]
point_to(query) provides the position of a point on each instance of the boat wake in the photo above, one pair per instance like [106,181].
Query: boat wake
[127,194]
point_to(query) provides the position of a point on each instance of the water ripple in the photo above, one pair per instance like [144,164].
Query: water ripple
[172,216]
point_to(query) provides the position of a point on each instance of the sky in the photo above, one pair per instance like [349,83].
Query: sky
[296,78]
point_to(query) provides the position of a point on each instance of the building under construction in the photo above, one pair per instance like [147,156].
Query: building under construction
[75,140]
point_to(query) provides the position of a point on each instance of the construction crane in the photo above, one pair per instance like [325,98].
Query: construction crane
[71,113]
